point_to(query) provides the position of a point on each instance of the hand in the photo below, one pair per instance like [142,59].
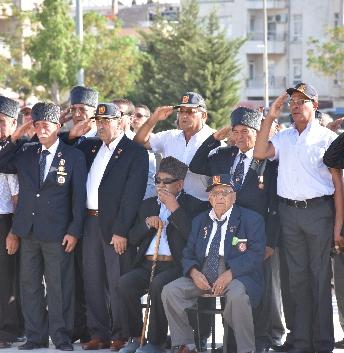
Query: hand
[335,125]
[69,241]
[12,243]
[222,133]
[21,131]
[80,128]
[199,280]
[154,222]
[222,282]
[277,106]
[268,252]
[65,116]
[162,113]
[119,243]
[168,199]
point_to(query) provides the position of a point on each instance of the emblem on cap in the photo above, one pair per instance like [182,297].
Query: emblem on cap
[301,88]
[185,99]
[101,109]
[216,179]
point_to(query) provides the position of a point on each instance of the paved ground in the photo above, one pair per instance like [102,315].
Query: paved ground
[219,334]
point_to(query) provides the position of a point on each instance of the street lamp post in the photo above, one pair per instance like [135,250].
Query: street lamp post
[265,57]
[80,34]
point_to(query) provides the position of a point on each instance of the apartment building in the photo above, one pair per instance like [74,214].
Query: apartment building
[290,24]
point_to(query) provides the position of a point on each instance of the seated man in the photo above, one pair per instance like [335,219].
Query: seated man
[223,256]
[174,210]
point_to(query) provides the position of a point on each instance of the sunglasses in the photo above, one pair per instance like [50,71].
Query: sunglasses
[140,116]
[166,181]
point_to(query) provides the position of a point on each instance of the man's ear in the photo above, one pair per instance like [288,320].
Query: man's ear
[315,105]
[181,185]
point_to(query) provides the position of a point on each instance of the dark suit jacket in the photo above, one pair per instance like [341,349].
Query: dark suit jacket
[262,200]
[55,209]
[177,230]
[246,266]
[334,156]
[122,187]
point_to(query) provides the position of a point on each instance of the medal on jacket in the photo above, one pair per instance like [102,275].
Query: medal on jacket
[61,172]
[261,182]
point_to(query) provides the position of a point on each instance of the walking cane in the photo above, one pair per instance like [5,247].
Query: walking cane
[155,256]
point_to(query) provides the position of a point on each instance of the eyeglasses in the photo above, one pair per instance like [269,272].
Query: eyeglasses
[81,110]
[102,120]
[298,102]
[166,181]
[139,115]
[188,111]
[221,193]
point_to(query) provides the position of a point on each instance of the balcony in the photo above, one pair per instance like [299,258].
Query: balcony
[270,4]
[255,87]
[276,43]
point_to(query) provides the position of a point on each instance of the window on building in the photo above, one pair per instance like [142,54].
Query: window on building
[336,19]
[297,28]
[252,23]
[297,71]
[251,70]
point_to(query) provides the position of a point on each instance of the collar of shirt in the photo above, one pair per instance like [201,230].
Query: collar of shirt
[91,133]
[202,134]
[52,149]
[313,124]
[213,216]
[248,154]
[112,145]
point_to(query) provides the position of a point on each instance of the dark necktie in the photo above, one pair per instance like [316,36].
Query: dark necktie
[42,162]
[239,172]
[211,267]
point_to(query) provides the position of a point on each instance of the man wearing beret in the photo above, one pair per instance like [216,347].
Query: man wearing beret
[9,188]
[172,210]
[48,220]
[84,101]
[116,183]
[255,182]
[223,256]
[308,217]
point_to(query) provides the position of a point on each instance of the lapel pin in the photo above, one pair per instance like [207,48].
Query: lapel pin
[59,154]
[205,232]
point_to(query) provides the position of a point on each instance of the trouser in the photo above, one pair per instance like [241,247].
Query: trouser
[134,284]
[102,269]
[182,294]
[338,274]
[10,312]
[307,238]
[38,259]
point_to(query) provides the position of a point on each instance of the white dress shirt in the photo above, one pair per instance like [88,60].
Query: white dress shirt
[164,248]
[247,162]
[49,158]
[91,133]
[301,172]
[9,187]
[226,216]
[97,170]
[173,143]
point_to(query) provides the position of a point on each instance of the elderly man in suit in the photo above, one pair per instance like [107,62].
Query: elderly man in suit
[48,220]
[173,210]
[116,183]
[223,256]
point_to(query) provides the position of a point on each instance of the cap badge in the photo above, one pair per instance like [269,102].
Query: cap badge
[216,179]
[185,99]
[302,88]
[101,109]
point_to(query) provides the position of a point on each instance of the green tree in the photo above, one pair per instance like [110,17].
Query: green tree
[192,54]
[112,64]
[327,57]
[54,48]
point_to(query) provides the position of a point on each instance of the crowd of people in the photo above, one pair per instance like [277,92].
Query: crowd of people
[250,213]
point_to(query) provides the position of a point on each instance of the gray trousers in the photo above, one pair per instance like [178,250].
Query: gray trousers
[38,259]
[338,275]
[182,293]
[307,238]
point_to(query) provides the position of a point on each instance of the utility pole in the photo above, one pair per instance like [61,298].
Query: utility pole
[80,34]
[265,57]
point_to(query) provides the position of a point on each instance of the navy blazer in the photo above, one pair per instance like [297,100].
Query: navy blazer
[122,187]
[54,209]
[246,266]
[177,231]
[253,195]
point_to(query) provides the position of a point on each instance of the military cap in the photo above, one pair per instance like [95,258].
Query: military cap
[108,111]
[308,90]
[192,100]
[174,167]
[246,116]
[46,111]
[84,95]
[222,179]
[9,107]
